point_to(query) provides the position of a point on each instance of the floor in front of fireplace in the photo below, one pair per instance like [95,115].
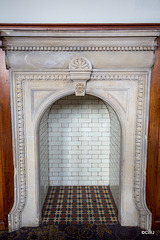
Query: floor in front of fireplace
[79,205]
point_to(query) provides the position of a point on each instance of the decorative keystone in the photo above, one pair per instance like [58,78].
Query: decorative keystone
[80,71]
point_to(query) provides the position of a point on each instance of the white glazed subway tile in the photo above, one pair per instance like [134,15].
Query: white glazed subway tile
[80,122]
[115,155]
[43,155]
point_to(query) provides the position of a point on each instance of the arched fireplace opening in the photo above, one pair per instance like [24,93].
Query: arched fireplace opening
[80,146]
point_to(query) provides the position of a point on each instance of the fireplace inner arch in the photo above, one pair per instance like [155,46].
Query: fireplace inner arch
[80,144]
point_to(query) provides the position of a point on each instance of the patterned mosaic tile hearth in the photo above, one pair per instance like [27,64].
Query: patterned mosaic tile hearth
[79,205]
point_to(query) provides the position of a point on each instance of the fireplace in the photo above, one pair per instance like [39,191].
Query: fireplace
[112,67]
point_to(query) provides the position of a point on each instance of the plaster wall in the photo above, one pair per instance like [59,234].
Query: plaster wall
[84,11]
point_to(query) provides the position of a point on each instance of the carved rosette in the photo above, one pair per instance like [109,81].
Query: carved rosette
[80,69]
[80,89]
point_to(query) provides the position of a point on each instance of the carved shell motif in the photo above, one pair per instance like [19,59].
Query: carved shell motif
[80,63]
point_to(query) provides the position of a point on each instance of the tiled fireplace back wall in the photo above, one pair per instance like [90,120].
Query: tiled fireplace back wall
[79,144]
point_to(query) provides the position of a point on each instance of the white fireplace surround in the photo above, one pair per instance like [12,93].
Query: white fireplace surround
[114,66]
